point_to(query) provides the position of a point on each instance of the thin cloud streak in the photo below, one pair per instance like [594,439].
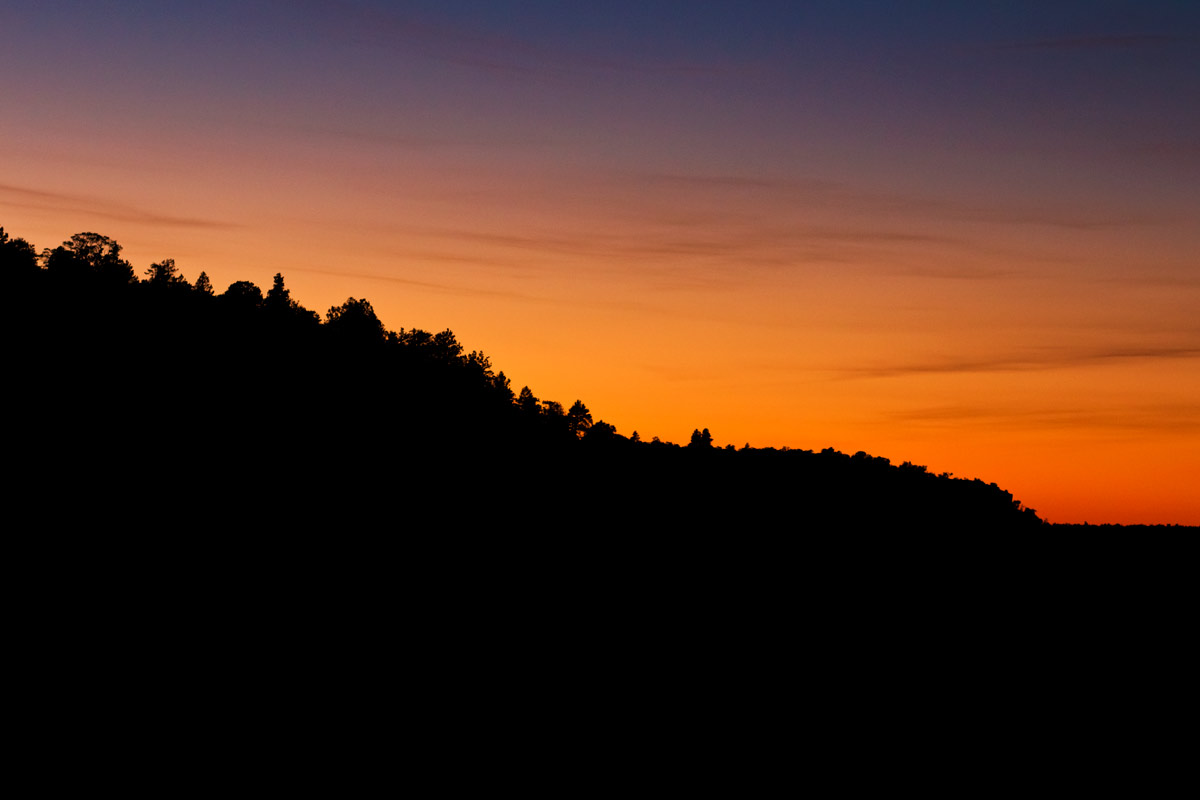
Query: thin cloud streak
[463,291]
[443,288]
[667,247]
[844,196]
[1025,363]
[21,197]
[1166,417]
[653,249]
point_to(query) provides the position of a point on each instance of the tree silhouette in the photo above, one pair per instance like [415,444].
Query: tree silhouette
[502,386]
[17,256]
[601,431]
[91,253]
[278,296]
[280,306]
[445,348]
[527,402]
[579,419]
[163,272]
[165,276]
[242,296]
[204,285]
[355,321]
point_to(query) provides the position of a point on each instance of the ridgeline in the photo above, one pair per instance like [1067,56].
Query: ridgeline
[158,402]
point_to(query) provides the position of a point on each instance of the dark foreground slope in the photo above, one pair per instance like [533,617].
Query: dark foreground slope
[261,539]
[158,404]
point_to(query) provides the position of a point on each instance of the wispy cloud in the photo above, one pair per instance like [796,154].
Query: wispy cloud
[1044,359]
[81,206]
[433,286]
[692,254]
[581,300]
[1136,417]
[855,199]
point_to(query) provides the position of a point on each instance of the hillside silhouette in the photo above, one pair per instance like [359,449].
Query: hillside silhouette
[167,404]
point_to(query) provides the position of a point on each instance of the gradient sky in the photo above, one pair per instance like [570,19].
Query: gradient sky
[965,235]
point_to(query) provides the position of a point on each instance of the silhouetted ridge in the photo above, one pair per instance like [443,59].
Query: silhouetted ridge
[168,404]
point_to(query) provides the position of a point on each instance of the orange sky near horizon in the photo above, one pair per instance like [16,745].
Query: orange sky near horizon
[984,260]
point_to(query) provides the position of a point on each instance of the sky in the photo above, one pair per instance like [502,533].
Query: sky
[965,235]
